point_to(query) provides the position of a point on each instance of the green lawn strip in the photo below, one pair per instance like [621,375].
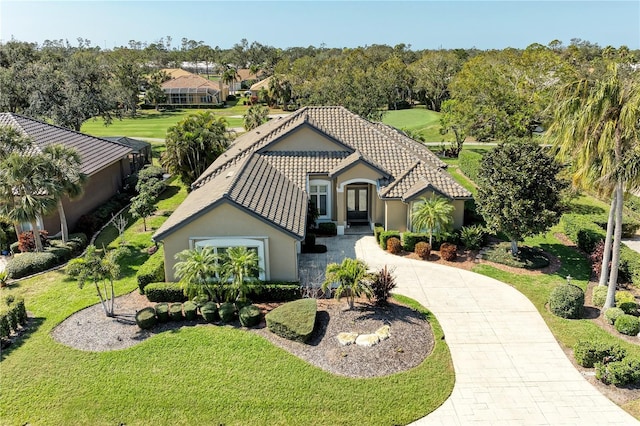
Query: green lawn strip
[538,288]
[419,120]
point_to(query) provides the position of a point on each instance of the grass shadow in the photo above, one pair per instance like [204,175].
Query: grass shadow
[169,192]
[573,261]
[586,209]
[16,341]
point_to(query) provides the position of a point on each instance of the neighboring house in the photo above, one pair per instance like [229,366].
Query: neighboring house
[244,79]
[176,72]
[257,87]
[194,91]
[140,151]
[256,194]
[106,164]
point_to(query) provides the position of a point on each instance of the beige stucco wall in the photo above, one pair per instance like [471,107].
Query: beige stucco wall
[100,188]
[359,171]
[458,214]
[281,254]
[395,215]
[306,139]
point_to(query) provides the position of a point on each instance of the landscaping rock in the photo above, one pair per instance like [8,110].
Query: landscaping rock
[347,338]
[383,332]
[367,340]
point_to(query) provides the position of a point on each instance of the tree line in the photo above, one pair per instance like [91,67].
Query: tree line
[493,94]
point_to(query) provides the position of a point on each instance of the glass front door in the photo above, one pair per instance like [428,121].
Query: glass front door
[357,204]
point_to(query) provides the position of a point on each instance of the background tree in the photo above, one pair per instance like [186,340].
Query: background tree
[455,119]
[433,215]
[127,76]
[351,277]
[65,171]
[154,93]
[433,73]
[99,269]
[142,206]
[596,129]
[193,144]
[256,115]
[519,193]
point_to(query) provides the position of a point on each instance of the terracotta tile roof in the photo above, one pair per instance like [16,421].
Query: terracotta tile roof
[271,183]
[245,74]
[260,84]
[96,153]
[191,81]
[176,72]
[252,184]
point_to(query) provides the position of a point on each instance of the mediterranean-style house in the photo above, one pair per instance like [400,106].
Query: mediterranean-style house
[194,91]
[257,193]
[106,164]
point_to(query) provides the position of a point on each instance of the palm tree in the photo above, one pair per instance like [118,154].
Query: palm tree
[197,270]
[65,170]
[351,278]
[256,115]
[596,128]
[12,141]
[240,267]
[96,268]
[433,214]
[229,77]
[25,191]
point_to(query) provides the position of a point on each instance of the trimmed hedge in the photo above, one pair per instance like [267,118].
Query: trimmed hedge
[612,314]
[629,268]
[619,373]
[377,230]
[152,270]
[629,225]
[276,292]
[175,312]
[599,295]
[327,228]
[146,318]
[394,246]
[226,311]
[250,316]
[190,310]
[209,312]
[162,312]
[469,163]
[587,353]
[164,292]
[582,231]
[567,301]
[12,317]
[30,263]
[410,239]
[294,320]
[627,324]
[385,235]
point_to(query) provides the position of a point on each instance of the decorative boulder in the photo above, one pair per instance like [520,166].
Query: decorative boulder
[367,340]
[383,332]
[347,338]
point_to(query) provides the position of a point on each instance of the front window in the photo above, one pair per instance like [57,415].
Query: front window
[220,246]
[320,197]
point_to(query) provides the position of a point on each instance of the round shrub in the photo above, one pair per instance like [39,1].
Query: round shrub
[162,312]
[624,297]
[250,316]
[448,252]
[175,311]
[589,352]
[612,314]
[599,295]
[628,324]
[394,246]
[146,318]
[619,373]
[226,311]
[190,310]
[567,301]
[423,250]
[200,300]
[209,312]
[630,308]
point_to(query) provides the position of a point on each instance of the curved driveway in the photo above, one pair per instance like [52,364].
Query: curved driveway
[509,368]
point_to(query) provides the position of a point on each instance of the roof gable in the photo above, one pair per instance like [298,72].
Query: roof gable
[95,153]
[305,137]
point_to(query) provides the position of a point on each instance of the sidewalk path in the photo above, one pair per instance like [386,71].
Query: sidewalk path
[633,243]
[509,368]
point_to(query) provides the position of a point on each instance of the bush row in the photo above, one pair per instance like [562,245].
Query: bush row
[473,237]
[11,318]
[469,163]
[610,360]
[92,222]
[629,225]
[57,253]
[269,292]
[147,318]
[152,270]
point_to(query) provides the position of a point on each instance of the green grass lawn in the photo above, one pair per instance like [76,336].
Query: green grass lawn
[194,375]
[419,120]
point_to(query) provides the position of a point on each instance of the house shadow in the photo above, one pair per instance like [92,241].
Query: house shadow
[169,192]
[33,323]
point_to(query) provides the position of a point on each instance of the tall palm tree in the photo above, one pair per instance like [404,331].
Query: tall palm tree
[26,192]
[196,269]
[433,215]
[595,128]
[240,268]
[11,141]
[65,170]
[351,278]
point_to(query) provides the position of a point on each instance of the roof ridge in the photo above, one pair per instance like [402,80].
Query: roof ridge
[399,178]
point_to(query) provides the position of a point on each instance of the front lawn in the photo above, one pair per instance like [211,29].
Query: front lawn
[194,375]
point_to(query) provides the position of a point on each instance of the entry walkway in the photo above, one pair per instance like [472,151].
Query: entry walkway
[509,368]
